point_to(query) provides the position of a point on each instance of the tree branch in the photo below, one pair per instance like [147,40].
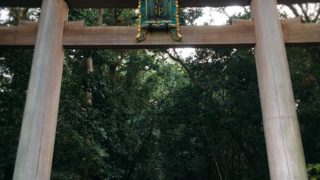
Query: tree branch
[185,67]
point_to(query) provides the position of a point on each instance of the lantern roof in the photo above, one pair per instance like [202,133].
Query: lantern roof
[134,3]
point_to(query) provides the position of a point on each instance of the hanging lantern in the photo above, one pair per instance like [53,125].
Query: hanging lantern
[158,15]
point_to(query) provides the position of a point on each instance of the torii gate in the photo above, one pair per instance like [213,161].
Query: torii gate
[53,34]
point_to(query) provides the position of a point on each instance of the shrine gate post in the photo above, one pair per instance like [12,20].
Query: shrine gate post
[281,126]
[35,150]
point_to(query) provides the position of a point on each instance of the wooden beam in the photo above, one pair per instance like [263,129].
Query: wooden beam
[124,37]
[294,31]
[134,3]
[240,33]
[36,144]
[280,121]
[301,33]
[24,34]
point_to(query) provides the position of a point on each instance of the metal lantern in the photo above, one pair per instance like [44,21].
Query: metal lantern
[158,15]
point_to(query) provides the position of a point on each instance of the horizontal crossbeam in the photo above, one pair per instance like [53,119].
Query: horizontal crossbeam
[134,3]
[241,33]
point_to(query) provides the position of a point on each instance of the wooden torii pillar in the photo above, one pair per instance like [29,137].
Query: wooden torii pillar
[36,145]
[281,126]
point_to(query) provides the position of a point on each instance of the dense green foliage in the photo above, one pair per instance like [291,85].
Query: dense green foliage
[157,115]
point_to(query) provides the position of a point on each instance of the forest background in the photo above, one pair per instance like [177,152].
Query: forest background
[160,114]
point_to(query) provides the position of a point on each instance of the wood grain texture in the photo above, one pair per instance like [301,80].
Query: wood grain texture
[281,126]
[241,33]
[36,144]
[24,34]
[124,37]
[134,3]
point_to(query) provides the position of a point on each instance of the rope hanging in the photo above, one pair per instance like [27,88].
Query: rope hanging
[89,85]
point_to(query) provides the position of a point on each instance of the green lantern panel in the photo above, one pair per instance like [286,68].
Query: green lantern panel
[158,15]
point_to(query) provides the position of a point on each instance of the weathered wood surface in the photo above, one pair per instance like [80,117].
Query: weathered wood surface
[124,37]
[36,144]
[241,33]
[134,3]
[24,34]
[281,126]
